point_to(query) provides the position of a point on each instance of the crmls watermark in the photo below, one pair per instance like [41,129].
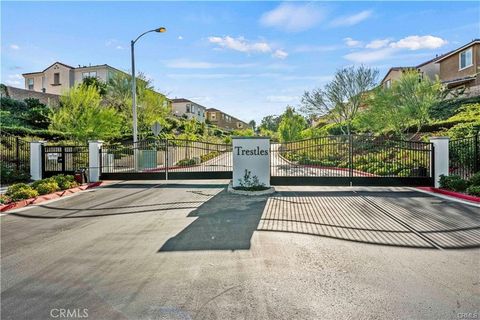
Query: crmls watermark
[467,315]
[62,313]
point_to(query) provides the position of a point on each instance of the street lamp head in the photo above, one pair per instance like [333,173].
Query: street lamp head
[161,29]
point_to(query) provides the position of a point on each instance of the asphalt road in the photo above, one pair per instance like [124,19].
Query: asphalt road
[142,250]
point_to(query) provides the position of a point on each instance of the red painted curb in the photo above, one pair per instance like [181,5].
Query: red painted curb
[450,193]
[46,197]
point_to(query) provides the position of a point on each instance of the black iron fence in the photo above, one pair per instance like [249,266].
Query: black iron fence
[166,159]
[350,160]
[15,153]
[464,155]
[63,159]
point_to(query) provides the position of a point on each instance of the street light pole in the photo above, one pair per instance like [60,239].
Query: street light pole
[134,97]
[134,93]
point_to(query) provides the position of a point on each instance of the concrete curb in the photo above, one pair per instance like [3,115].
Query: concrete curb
[250,193]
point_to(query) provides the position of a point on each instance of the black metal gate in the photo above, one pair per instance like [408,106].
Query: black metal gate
[63,159]
[352,160]
[166,159]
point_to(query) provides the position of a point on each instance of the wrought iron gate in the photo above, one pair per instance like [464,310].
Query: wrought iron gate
[166,159]
[352,160]
[63,159]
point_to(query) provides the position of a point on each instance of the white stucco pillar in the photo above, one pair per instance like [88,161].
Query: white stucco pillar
[36,159]
[94,160]
[251,154]
[441,157]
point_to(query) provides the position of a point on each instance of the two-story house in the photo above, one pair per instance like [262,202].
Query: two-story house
[59,77]
[460,68]
[393,74]
[184,107]
[225,121]
[457,69]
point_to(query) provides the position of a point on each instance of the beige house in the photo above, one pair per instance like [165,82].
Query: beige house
[184,107]
[225,121]
[60,77]
[393,74]
[460,68]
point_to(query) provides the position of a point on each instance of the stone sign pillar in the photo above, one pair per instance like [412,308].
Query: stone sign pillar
[251,155]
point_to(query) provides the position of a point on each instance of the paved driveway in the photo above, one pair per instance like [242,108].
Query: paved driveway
[141,250]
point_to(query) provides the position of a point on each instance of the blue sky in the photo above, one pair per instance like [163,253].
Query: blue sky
[249,59]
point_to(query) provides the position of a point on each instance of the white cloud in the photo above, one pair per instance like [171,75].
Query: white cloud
[351,42]
[378,43]
[419,42]
[292,17]
[14,46]
[243,45]
[352,19]
[180,38]
[14,80]
[382,49]
[119,48]
[280,54]
[367,56]
[240,44]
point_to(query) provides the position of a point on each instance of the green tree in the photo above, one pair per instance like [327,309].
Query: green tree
[342,97]
[82,116]
[407,103]
[270,123]
[291,126]
[151,106]
[95,82]
[252,124]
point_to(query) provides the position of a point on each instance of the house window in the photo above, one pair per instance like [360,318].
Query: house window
[91,74]
[213,116]
[466,59]
[56,78]
[193,109]
[188,108]
[30,84]
[388,84]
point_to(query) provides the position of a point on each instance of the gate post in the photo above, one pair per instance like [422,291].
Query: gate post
[441,158]
[36,159]
[94,160]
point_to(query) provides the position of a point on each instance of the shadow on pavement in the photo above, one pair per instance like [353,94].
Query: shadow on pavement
[400,218]
[225,222]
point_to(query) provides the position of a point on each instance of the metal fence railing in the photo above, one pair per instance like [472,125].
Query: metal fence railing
[464,156]
[15,153]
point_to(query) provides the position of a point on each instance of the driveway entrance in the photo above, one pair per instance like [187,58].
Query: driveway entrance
[190,250]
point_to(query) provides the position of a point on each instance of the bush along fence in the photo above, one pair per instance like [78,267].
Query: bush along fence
[464,156]
[15,158]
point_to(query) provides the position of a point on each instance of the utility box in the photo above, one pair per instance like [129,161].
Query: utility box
[147,159]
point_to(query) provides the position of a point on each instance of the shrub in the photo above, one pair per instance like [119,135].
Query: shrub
[209,156]
[9,175]
[474,191]
[4,199]
[454,182]
[21,191]
[186,162]
[46,187]
[475,180]
[65,181]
